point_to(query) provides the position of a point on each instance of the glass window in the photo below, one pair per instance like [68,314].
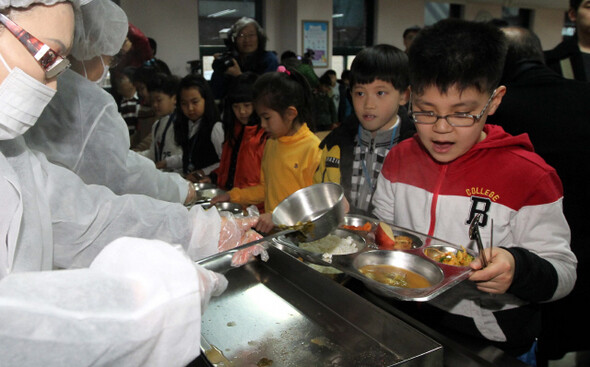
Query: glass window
[435,11]
[352,29]
[516,16]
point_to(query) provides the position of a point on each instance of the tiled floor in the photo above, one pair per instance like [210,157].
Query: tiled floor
[573,359]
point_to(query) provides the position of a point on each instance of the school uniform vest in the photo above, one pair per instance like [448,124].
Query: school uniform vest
[199,152]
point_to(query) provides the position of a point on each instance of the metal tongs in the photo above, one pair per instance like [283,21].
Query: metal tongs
[475,235]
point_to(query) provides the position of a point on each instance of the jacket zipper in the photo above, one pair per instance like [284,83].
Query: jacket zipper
[434,202]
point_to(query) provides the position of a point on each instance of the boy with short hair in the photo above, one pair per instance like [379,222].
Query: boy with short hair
[457,167]
[129,105]
[163,150]
[353,153]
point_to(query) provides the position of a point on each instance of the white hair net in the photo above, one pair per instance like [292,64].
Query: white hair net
[101,28]
[26,3]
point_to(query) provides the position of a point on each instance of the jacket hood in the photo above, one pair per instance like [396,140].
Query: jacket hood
[498,138]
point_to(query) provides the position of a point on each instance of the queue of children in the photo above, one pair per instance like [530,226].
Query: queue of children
[415,152]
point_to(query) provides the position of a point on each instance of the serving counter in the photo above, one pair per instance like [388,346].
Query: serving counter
[283,313]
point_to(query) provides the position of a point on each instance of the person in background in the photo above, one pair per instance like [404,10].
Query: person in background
[571,58]
[113,293]
[291,154]
[197,129]
[155,62]
[246,45]
[352,154]
[334,88]
[458,169]
[245,139]
[345,105]
[129,104]
[163,89]
[409,35]
[325,117]
[81,128]
[534,103]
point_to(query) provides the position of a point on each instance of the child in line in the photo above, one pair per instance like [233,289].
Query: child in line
[244,138]
[457,167]
[291,155]
[198,129]
[129,105]
[353,153]
[163,149]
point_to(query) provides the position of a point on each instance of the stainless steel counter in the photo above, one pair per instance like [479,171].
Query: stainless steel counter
[285,312]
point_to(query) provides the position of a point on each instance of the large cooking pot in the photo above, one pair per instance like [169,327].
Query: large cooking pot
[319,208]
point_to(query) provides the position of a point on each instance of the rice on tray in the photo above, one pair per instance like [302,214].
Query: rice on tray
[331,245]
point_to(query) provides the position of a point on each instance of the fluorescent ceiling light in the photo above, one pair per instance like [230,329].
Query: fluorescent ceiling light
[339,15]
[221,13]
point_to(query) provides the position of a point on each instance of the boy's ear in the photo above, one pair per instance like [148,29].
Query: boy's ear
[173,98]
[572,14]
[405,97]
[500,92]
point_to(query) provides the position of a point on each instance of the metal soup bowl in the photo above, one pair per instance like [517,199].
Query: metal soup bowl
[208,194]
[203,186]
[229,207]
[399,259]
[321,204]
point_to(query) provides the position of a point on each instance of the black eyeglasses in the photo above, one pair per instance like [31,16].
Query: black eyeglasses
[52,62]
[455,119]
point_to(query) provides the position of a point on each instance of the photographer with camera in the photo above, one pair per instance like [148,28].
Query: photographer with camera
[246,51]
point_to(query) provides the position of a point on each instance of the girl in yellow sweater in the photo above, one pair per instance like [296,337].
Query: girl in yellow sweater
[292,153]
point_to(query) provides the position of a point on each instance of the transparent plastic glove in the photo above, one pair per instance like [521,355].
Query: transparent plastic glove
[212,285]
[246,255]
[233,230]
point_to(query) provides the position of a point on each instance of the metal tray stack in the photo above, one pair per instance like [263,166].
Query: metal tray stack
[283,313]
[441,276]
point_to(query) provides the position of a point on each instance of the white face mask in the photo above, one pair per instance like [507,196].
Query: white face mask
[105,72]
[22,99]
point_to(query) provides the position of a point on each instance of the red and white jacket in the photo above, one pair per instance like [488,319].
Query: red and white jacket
[501,178]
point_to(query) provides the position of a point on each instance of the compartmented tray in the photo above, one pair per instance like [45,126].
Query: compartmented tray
[283,313]
[440,276]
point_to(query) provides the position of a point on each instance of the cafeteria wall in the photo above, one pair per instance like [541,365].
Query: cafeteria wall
[174,23]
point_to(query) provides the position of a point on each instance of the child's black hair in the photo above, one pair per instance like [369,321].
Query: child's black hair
[575,4]
[280,90]
[241,91]
[326,80]
[163,83]
[457,53]
[384,62]
[210,115]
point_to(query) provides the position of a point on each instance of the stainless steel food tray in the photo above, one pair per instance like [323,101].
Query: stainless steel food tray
[287,313]
[442,276]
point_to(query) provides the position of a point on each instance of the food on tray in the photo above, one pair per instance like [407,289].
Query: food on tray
[331,245]
[457,258]
[394,276]
[264,362]
[386,240]
[365,227]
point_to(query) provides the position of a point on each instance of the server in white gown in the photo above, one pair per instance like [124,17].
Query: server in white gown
[81,128]
[120,301]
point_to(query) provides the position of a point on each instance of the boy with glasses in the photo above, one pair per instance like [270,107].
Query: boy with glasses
[457,167]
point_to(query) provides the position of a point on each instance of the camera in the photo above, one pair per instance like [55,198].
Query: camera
[225,60]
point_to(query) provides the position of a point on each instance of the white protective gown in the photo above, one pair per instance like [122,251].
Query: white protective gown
[81,129]
[138,306]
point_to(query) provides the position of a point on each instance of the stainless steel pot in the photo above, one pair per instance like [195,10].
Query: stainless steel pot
[320,205]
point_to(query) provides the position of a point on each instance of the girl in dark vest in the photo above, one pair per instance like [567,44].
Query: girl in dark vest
[198,129]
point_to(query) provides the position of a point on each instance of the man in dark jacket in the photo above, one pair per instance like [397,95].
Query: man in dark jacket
[555,112]
[571,58]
